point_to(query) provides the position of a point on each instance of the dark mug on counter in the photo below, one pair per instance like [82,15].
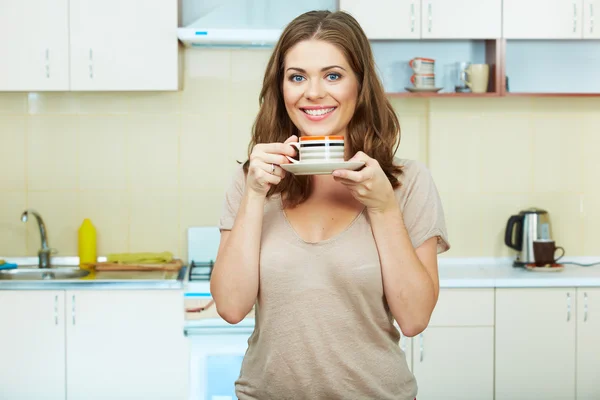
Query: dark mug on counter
[544,250]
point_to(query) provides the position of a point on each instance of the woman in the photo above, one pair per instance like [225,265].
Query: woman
[330,261]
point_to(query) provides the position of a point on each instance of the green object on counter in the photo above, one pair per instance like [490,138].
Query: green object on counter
[140,258]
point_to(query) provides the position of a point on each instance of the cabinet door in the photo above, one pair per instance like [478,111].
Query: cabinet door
[591,30]
[588,346]
[535,344]
[461,19]
[406,346]
[32,360]
[454,363]
[123,45]
[126,345]
[386,19]
[34,49]
[542,19]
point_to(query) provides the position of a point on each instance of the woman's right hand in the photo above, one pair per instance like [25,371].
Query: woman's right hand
[264,170]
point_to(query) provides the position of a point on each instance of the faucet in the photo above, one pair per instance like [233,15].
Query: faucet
[45,251]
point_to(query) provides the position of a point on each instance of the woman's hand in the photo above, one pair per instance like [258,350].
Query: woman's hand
[370,185]
[264,170]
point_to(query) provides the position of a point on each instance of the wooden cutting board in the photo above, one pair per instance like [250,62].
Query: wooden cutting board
[174,265]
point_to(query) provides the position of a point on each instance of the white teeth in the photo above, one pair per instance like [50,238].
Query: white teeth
[321,111]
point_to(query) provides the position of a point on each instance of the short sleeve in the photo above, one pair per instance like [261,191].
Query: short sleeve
[422,207]
[233,198]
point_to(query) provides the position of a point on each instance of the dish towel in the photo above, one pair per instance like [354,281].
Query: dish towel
[5,265]
[140,258]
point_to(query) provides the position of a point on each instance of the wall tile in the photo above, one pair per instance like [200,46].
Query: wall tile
[198,208]
[154,224]
[102,148]
[591,221]
[52,153]
[247,74]
[13,152]
[413,137]
[102,103]
[153,151]
[53,103]
[13,232]
[155,102]
[207,83]
[13,103]
[557,153]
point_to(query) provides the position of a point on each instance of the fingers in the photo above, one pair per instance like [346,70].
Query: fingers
[277,148]
[354,176]
[291,139]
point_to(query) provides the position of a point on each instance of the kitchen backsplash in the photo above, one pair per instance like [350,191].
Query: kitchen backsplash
[146,166]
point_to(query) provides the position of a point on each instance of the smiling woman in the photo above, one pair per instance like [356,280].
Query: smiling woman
[329,261]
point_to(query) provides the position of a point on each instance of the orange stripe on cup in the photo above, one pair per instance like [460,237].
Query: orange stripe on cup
[309,138]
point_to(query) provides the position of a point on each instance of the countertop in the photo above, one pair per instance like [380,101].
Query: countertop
[486,273]
[96,279]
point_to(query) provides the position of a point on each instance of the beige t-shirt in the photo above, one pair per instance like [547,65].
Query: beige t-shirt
[323,327]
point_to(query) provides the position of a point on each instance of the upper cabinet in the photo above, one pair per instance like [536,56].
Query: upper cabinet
[461,19]
[386,19]
[427,19]
[123,45]
[34,47]
[550,19]
[95,45]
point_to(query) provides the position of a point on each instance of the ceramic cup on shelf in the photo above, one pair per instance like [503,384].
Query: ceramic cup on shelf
[422,65]
[319,149]
[477,77]
[423,81]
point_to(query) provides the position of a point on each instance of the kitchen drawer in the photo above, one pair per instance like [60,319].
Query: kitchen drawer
[464,307]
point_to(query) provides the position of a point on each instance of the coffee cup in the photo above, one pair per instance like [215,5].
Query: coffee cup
[477,77]
[423,80]
[544,250]
[422,65]
[315,149]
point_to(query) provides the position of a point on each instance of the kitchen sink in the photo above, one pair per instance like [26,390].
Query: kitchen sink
[42,274]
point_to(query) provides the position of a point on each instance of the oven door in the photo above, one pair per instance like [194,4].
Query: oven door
[217,350]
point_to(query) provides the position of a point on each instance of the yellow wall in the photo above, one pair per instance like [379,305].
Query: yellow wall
[146,166]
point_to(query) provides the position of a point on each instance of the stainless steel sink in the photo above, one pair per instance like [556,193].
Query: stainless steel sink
[40,274]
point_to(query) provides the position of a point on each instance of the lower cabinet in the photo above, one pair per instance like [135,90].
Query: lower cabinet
[454,357]
[93,344]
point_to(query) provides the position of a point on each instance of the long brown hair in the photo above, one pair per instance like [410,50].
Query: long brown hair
[374,127]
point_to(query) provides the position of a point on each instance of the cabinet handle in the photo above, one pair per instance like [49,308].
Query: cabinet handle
[585,307]
[568,307]
[47,63]
[421,351]
[412,16]
[591,17]
[56,310]
[73,309]
[430,18]
[574,17]
[91,65]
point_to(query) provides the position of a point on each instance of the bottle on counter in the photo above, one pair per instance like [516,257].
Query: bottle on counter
[87,245]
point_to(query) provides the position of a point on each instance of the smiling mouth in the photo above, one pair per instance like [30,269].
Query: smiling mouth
[318,112]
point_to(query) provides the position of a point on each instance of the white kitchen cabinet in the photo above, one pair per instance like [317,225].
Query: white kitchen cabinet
[543,19]
[588,345]
[32,345]
[535,343]
[386,19]
[454,363]
[34,49]
[461,19]
[123,45]
[591,30]
[126,345]
[456,351]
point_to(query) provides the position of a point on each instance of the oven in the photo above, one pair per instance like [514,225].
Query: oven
[216,347]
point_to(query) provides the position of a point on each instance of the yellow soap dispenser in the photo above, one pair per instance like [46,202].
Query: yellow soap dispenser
[87,245]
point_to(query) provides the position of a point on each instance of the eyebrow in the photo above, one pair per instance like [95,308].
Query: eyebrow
[322,69]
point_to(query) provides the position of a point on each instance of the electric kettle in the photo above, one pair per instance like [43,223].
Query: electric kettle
[522,229]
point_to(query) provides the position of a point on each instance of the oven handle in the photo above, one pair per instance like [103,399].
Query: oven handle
[196,331]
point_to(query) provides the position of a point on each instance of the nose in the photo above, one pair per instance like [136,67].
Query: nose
[315,89]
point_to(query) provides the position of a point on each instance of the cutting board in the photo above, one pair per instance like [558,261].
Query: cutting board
[174,265]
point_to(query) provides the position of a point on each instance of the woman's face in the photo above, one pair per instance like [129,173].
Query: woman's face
[320,89]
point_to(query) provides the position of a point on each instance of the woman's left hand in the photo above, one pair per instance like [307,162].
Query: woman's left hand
[370,185]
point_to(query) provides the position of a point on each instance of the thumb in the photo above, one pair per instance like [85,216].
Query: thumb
[291,139]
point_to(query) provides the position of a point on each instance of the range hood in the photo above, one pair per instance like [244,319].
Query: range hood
[240,23]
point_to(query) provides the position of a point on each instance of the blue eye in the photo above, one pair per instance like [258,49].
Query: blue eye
[296,78]
[333,76]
